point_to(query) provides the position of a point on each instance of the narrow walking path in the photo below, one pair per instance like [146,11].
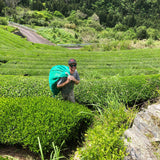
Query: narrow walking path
[31,35]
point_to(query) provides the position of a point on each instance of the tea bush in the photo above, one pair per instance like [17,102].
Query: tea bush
[19,86]
[22,120]
[3,21]
[25,58]
[129,90]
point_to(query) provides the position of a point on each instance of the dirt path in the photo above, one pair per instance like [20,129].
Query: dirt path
[31,35]
[17,153]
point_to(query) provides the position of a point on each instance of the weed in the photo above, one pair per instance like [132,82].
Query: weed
[55,154]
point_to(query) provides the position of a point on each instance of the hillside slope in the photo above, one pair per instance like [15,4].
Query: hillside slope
[10,40]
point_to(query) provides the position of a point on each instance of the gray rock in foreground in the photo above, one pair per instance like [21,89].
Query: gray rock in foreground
[143,139]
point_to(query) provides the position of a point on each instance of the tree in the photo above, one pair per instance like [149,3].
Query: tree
[2,5]
[25,3]
[36,5]
[12,3]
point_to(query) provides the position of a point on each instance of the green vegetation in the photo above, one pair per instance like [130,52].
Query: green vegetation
[130,90]
[103,141]
[111,82]
[54,155]
[118,65]
[24,119]
[104,32]
[129,13]
[7,158]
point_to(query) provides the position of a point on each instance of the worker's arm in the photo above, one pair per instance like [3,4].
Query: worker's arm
[64,83]
[74,79]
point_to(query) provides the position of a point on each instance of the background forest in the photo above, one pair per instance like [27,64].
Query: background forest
[109,25]
[130,13]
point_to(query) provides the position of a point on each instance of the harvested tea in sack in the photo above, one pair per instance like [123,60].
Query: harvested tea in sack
[55,74]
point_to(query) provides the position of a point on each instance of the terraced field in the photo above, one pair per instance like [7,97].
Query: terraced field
[19,57]
[131,76]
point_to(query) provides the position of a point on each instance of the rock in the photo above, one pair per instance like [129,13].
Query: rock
[143,139]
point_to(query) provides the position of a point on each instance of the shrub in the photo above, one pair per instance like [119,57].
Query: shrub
[141,32]
[58,14]
[47,15]
[37,14]
[57,23]
[94,24]
[129,89]
[116,45]
[120,27]
[107,33]
[70,26]
[38,22]
[88,34]
[76,17]
[19,86]
[153,33]
[130,34]
[3,21]
[22,120]
[79,14]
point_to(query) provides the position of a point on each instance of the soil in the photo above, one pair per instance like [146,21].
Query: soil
[17,153]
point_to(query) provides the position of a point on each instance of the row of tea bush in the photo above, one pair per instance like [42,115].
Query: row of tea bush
[22,120]
[128,89]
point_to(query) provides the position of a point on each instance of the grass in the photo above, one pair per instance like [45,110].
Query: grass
[55,154]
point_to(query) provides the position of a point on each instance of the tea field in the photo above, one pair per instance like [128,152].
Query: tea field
[111,82]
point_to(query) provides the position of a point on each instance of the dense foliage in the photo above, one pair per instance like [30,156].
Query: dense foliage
[130,90]
[128,12]
[79,29]
[103,141]
[22,120]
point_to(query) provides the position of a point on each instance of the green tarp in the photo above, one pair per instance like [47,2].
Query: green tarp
[55,74]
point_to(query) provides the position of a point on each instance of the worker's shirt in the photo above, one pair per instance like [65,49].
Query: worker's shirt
[68,87]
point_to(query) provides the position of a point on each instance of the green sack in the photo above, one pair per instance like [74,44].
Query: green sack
[55,74]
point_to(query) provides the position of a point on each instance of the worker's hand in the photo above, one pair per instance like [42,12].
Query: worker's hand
[71,78]
[68,79]
[64,83]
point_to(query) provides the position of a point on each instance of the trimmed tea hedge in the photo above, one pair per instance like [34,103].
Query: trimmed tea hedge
[20,57]
[130,90]
[22,120]
[21,86]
